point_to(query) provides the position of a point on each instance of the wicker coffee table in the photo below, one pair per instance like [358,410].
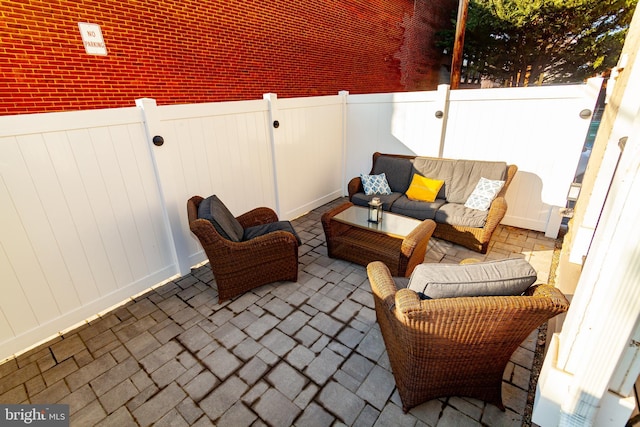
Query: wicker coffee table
[398,241]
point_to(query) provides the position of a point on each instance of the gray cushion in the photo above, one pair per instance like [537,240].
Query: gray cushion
[504,277]
[387,200]
[222,219]
[262,229]
[434,168]
[415,208]
[466,175]
[401,282]
[458,214]
[398,172]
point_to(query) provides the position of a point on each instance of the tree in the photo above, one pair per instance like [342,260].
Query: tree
[544,41]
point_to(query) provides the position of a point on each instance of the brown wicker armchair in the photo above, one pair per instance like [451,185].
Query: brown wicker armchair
[455,346]
[242,266]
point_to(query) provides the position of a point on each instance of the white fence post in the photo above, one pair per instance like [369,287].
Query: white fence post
[344,94]
[442,113]
[161,159]
[273,124]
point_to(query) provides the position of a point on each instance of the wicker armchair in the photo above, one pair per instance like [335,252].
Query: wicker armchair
[242,266]
[455,346]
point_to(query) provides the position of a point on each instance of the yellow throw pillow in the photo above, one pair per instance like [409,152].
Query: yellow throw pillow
[424,189]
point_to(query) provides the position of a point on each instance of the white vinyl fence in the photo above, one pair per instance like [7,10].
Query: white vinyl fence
[92,212]
[82,220]
[539,129]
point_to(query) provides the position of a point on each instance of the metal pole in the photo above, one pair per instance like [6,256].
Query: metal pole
[456,60]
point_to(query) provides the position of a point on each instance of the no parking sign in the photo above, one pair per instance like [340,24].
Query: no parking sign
[92,39]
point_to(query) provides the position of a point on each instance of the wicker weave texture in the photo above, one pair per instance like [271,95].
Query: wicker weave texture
[455,346]
[241,266]
[364,246]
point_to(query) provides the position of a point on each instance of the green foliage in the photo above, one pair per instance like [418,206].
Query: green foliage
[545,41]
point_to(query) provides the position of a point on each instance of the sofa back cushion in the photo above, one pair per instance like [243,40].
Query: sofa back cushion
[467,173]
[434,168]
[398,172]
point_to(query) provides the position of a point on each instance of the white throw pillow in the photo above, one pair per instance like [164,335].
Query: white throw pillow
[484,193]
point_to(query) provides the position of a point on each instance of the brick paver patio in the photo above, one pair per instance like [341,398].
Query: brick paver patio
[308,353]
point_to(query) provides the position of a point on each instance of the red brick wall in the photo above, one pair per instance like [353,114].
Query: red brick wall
[188,51]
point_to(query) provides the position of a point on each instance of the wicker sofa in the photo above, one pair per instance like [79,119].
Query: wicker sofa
[454,346]
[456,223]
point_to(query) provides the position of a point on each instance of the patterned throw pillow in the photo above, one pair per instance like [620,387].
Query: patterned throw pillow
[375,184]
[484,193]
[423,188]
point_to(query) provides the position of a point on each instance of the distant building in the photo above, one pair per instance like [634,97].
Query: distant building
[58,55]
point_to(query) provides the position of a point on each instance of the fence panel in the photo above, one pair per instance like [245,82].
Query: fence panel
[539,129]
[212,148]
[402,123]
[233,150]
[80,228]
[308,152]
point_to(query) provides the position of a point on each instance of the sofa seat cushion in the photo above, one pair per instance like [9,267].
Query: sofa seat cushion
[503,277]
[417,209]
[262,229]
[223,221]
[466,175]
[387,200]
[458,214]
[398,172]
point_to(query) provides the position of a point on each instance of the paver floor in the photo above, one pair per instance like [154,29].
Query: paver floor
[308,353]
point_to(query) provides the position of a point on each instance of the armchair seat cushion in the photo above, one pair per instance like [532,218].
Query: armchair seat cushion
[223,221]
[262,229]
[493,278]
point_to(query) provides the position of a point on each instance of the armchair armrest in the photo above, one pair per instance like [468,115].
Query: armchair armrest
[552,294]
[414,246]
[382,284]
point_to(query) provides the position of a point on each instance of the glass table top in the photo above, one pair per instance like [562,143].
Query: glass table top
[392,224]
